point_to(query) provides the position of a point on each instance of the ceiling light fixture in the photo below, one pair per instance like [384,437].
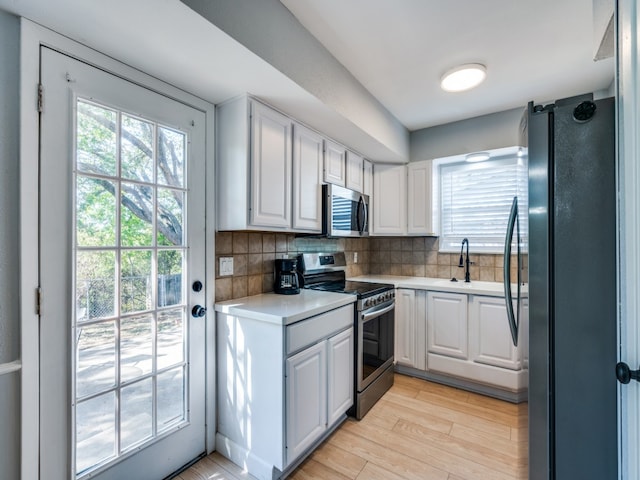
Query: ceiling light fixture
[464,77]
[477,157]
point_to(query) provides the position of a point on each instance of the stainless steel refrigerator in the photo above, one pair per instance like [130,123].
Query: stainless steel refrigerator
[572,290]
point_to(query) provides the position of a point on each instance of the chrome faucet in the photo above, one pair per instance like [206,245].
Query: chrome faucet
[466,263]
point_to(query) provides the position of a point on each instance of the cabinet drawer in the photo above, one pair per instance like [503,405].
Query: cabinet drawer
[315,329]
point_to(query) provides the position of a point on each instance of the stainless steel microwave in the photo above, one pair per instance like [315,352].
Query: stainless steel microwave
[346,212]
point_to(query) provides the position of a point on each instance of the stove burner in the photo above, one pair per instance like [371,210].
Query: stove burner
[361,289]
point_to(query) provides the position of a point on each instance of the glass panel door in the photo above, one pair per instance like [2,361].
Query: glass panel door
[122,239]
[130,309]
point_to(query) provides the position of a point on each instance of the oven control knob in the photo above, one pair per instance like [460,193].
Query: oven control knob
[367,303]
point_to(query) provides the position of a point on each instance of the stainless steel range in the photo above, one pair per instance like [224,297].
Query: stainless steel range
[373,324]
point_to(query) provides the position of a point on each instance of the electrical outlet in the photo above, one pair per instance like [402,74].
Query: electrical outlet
[226,266]
[355,257]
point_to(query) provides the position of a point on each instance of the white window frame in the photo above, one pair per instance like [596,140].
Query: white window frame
[450,242]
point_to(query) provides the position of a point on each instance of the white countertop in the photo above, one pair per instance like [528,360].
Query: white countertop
[475,287]
[285,309]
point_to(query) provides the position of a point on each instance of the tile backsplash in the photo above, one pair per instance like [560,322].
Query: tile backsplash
[254,254]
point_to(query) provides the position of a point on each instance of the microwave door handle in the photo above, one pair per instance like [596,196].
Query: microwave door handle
[363,217]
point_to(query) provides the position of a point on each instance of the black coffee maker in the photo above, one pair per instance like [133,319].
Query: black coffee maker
[287,278]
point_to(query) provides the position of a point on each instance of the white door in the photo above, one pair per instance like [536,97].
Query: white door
[419,213]
[389,200]
[447,324]
[271,161]
[121,243]
[307,179]
[628,107]
[334,163]
[306,398]
[355,172]
[490,342]
[340,373]
[406,331]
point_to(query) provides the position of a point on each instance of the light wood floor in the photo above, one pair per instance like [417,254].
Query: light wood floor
[417,431]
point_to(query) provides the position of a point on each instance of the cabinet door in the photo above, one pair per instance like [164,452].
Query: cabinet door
[355,172]
[405,335]
[306,408]
[389,200]
[270,168]
[367,185]
[334,163]
[340,375]
[307,179]
[419,214]
[490,336]
[447,324]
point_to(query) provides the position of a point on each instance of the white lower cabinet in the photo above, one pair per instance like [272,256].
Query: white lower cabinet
[319,390]
[447,324]
[489,334]
[281,389]
[306,398]
[461,338]
[410,326]
[340,374]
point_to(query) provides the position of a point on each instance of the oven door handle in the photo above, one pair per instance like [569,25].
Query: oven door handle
[376,313]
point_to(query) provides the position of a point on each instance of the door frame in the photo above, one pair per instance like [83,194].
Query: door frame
[628,75]
[32,37]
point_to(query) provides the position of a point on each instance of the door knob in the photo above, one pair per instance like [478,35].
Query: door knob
[624,374]
[198,311]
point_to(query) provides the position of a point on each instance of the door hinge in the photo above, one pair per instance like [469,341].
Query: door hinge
[39,301]
[40,98]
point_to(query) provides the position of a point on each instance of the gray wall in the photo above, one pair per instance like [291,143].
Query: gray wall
[9,244]
[497,130]
[267,28]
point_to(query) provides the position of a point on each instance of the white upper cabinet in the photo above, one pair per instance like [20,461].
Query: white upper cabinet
[389,200]
[402,199]
[271,167]
[258,185]
[307,179]
[419,212]
[355,172]
[335,163]
[367,178]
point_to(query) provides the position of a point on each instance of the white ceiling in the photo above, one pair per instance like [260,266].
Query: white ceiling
[533,49]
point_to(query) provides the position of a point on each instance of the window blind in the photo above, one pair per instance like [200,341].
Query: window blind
[475,201]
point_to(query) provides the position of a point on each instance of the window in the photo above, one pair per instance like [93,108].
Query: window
[475,199]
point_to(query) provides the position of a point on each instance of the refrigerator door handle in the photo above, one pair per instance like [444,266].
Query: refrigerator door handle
[508,296]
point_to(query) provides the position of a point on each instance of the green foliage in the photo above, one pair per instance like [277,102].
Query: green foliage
[115,164]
